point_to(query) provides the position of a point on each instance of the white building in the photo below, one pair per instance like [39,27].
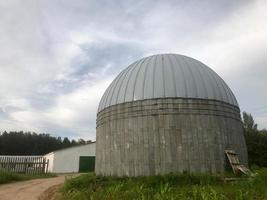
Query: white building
[72,159]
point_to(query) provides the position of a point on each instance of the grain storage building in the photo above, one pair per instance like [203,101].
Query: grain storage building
[167,113]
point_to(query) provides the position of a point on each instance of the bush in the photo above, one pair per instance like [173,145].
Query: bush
[257,148]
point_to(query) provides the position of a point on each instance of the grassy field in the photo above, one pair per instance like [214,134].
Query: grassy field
[7,177]
[172,186]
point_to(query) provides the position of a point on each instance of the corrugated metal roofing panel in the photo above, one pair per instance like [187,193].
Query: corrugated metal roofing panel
[166,75]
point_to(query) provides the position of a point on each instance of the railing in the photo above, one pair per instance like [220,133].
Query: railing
[24,164]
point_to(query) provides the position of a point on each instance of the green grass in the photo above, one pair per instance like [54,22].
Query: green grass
[172,186]
[7,177]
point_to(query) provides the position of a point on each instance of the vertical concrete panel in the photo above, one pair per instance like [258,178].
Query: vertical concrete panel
[173,145]
[126,147]
[151,141]
[130,152]
[145,141]
[156,139]
[168,147]
[135,148]
[112,148]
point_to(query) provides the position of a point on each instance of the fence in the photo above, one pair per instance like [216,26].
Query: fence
[24,164]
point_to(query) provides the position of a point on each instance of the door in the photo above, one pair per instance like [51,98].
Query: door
[87,164]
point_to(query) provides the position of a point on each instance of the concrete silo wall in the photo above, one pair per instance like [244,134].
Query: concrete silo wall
[160,136]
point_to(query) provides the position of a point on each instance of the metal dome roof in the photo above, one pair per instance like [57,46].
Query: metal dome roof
[166,75]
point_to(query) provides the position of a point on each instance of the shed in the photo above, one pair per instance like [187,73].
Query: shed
[73,159]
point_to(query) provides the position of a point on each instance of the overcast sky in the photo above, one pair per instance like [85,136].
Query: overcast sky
[58,57]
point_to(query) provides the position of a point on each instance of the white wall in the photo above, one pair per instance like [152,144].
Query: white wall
[50,157]
[67,160]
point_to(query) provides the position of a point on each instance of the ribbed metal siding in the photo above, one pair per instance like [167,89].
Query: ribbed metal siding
[166,75]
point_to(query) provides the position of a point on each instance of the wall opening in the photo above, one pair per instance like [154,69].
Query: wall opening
[87,163]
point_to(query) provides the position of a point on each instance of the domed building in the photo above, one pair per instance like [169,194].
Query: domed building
[167,113]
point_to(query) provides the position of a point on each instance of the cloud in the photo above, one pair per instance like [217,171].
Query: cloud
[238,49]
[75,109]
[67,116]
[57,57]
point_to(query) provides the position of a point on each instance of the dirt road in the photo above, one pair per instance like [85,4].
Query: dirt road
[38,189]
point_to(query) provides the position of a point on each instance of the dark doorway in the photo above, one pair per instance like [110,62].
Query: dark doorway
[87,164]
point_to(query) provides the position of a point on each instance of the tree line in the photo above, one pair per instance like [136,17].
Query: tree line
[256,141]
[31,143]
